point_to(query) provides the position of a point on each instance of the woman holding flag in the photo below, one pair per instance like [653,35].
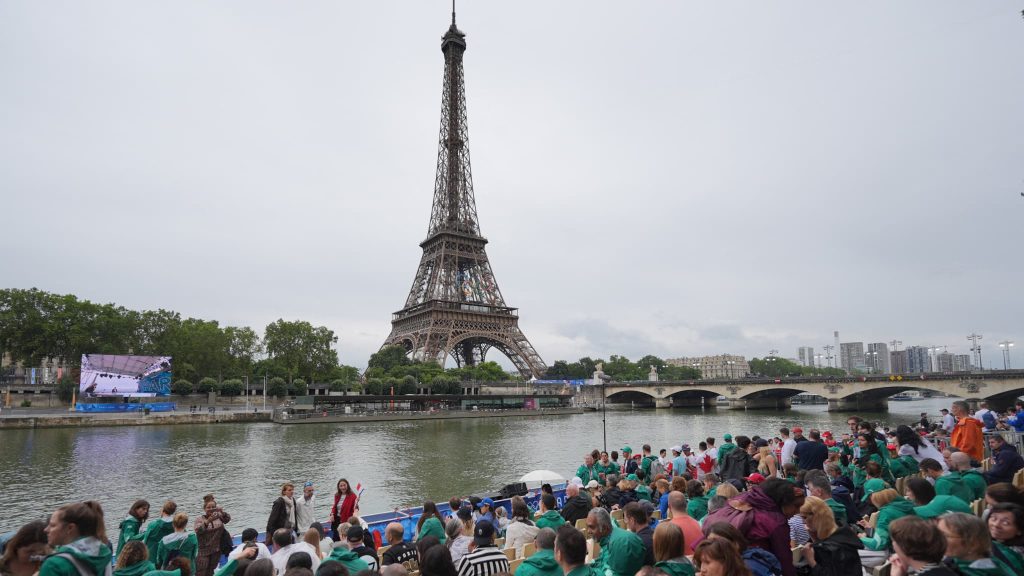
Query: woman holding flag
[346,504]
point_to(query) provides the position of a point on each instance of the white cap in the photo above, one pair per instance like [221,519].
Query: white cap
[576,481]
[592,484]
[677,449]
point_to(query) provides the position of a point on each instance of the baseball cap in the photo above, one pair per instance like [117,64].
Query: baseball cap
[871,486]
[626,449]
[307,484]
[464,513]
[632,478]
[576,481]
[685,447]
[355,533]
[755,478]
[677,449]
[827,433]
[727,437]
[487,502]
[798,430]
[483,534]
[592,484]
[941,504]
[761,443]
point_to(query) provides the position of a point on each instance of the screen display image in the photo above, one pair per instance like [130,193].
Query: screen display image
[116,375]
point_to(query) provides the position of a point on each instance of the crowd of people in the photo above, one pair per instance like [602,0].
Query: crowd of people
[917,497]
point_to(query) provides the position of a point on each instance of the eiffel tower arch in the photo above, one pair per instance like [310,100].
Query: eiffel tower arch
[455,307]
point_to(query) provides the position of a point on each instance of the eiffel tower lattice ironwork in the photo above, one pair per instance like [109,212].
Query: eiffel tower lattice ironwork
[454,306]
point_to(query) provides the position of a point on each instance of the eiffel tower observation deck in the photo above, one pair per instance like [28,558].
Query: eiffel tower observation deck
[455,307]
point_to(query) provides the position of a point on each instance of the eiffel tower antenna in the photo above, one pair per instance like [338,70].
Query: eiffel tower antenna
[454,307]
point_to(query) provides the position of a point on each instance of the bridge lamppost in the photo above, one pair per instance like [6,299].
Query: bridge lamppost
[1006,345]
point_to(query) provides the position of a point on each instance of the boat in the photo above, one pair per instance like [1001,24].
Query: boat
[906,396]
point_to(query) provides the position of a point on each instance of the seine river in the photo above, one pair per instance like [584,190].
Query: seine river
[398,463]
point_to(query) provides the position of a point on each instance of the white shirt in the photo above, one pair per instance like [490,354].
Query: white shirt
[787,452]
[948,422]
[280,558]
[305,513]
[713,452]
[261,551]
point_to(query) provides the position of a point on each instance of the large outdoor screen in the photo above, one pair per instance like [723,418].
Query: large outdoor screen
[112,375]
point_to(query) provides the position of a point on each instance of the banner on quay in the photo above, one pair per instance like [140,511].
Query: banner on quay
[125,375]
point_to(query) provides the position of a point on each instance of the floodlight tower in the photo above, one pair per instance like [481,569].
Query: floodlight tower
[975,347]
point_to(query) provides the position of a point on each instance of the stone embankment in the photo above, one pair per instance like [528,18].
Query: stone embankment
[73,420]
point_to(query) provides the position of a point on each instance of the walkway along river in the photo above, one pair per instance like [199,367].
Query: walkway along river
[398,463]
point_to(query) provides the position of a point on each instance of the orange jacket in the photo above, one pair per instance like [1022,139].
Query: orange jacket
[967,437]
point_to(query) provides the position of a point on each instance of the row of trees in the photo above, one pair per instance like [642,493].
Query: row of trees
[776,367]
[38,326]
[620,369]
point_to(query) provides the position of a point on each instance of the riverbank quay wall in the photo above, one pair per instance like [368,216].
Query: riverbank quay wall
[1000,388]
[286,417]
[73,420]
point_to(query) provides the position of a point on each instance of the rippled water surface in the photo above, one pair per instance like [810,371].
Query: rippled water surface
[398,463]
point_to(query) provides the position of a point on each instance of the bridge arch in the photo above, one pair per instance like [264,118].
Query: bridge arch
[626,396]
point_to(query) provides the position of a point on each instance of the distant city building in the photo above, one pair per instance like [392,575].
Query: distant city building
[720,366]
[877,358]
[962,363]
[898,362]
[839,357]
[851,355]
[805,354]
[918,361]
[943,362]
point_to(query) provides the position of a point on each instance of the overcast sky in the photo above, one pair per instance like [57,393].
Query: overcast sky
[674,178]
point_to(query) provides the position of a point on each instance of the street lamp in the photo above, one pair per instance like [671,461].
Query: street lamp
[1006,345]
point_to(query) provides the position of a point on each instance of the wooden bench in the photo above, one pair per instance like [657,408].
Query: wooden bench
[514,565]
[510,553]
[529,549]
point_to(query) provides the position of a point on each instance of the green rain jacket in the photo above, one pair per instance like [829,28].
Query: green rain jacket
[542,563]
[184,543]
[622,554]
[89,551]
[550,519]
[898,508]
[137,569]
[155,532]
[953,485]
[697,508]
[432,527]
[351,560]
[983,567]
[976,482]
[674,568]
[129,531]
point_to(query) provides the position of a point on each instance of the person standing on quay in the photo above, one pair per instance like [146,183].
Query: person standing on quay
[209,530]
[345,506]
[132,524]
[967,432]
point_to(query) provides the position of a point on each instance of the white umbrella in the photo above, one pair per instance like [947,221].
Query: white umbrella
[537,477]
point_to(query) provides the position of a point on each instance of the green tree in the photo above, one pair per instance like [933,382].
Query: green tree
[66,389]
[301,348]
[243,345]
[181,387]
[407,385]
[207,385]
[232,387]
[338,385]
[299,387]
[622,370]
[388,357]
[277,387]
[374,386]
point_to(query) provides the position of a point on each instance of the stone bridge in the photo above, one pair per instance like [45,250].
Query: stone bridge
[1000,388]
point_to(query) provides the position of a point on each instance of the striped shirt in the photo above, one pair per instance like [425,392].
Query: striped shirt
[798,531]
[484,561]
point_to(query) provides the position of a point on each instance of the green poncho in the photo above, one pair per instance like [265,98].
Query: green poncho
[89,551]
[898,508]
[542,563]
[622,554]
[183,544]
[550,519]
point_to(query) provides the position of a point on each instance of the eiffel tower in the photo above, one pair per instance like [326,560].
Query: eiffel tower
[454,306]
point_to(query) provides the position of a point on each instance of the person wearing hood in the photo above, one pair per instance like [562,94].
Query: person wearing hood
[604,467]
[967,433]
[158,528]
[542,562]
[726,447]
[951,484]
[429,523]
[670,550]
[576,505]
[178,543]
[77,534]
[622,552]
[549,518]
[737,464]
[969,546]
[772,503]
[972,478]
[832,550]
[890,507]
[133,560]
[131,527]
[588,471]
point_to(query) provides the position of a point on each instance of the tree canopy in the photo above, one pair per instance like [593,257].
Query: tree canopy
[620,369]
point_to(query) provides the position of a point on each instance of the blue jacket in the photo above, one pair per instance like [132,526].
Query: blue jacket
[1005,463]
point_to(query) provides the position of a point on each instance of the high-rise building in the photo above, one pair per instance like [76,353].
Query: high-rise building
[962,363]
[839,357]
[718,366]
[877,358]
[898,362]
[852,356]
[943,362]
[918,361]
[806,355]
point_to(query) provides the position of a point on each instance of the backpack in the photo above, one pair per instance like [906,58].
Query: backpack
[83,569]
[762,562]
[226,544]
[989,420]
[657,468]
